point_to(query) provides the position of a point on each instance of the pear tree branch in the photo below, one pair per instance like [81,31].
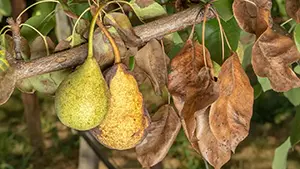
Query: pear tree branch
[76,56]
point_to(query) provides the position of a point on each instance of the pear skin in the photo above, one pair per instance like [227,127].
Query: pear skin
[82,99]
[125,123]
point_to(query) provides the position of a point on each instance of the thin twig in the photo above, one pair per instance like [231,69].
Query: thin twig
[15,28]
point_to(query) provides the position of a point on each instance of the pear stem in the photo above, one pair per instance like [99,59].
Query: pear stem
[91,33]
[112,42]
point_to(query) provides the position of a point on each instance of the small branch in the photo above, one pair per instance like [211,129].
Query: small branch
[75,56]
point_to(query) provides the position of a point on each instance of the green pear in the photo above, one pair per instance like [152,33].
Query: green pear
[82,99]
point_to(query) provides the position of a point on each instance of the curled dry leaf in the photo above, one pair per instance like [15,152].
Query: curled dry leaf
[198,98]
[7,84]
[126,120]
[192,85]
[152,60]
[121,22]
[293,9]
[211,149]
[230,115]
[271,56]
[185,67]
[63,28]
[253,16]
[152,101]
[162,132]
[139,75]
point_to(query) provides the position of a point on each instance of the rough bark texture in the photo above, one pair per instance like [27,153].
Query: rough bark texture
[75,56]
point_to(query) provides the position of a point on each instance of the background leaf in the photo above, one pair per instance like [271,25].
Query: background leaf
[297,36]
[147,9]
[265,83]
[224,9]
[280,157]
[213,38]
[297,69]
[42,19]
[5,8]
[294,96]
[295,134]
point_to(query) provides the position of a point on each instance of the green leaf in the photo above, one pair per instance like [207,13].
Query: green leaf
[294,96]
[265,83]
[257,90]
[281,6]
[297,36]
[5,7]
[131,63]
[147,11]
[297,69]
[247,56]
[224,9]
[42,19]
[295,134]
[281,153]
[217,68]
[213,38]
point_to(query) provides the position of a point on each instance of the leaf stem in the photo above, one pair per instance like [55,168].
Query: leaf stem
[43,37]
[76,23]
[39,2]
[221,34]
[7,26]
[203,34]
[287,21]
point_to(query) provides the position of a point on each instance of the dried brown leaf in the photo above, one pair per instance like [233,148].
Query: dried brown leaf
[293,9]
[197,98]
[152,60]
[121,22]
[185,67]
[151,100]
[137,72]
[211,149]
[230,115]
[7,85]
[192,86]
[253,16]
[162,132]
[271,56]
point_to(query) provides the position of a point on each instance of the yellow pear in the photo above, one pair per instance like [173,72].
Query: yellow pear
[126,120]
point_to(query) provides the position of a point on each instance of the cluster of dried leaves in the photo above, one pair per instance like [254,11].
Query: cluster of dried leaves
[273,52]
[215,112]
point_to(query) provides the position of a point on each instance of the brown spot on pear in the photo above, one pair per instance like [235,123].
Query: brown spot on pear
[82,99]
[125,123]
